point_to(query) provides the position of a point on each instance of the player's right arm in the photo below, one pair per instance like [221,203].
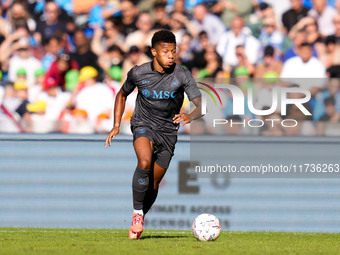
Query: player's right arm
[118,113]
[121,96]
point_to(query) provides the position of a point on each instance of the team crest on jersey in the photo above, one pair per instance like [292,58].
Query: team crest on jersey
[174,83]
[141,181]
[141,131]
[146,93]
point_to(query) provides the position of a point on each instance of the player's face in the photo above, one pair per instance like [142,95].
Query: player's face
[165,54]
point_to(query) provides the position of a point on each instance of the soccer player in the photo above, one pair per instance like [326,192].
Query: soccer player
[161,85]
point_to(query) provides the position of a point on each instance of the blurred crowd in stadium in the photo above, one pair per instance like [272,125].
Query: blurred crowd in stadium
[63,61]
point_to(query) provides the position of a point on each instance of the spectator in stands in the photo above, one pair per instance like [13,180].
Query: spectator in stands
[324,14]
[23,59]
[112,35]
[135,57]
[262,11]
[336,21]
[18,12]
[113,57]
[48,28]
[337,5]
[213,68]
[79,123]
[333,71]
[176,27]
[226,46]
[10,45]
[50,105]
[101,11]
[113,77]
[179,6]
[53,49]
[265,92]
[4,27]
[129,16]
[305,66]
[142,36]
[310,26]
[2,93]
[294,15]
[332,91]
[21,74]
[242,79]
[268,64]
[71,80]
[95,98]
[59,68]
[300,37]
[184,54]
[180,24]
[205,21]
[84,56]
[11,103]
[242,75]
[161,16]
[35,90]
[331,115]
[233,8]
[21,93]
[83,6]
[199,51]
[270,35]
[243,60]
[331,56]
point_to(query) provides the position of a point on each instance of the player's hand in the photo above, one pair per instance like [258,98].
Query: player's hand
[182,117]
[112,134]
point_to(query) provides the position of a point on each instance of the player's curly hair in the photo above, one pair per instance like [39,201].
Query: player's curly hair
[163,36]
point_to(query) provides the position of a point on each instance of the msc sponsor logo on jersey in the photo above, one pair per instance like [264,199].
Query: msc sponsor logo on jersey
[145,82]
[162,94]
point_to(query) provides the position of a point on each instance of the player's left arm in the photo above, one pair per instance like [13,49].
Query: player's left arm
[195,114]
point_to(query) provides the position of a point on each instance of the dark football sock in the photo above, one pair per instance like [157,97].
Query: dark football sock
[140,184]
[150,198]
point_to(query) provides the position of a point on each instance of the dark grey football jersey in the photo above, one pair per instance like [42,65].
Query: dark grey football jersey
[160,96]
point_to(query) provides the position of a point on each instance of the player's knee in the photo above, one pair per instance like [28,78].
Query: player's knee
[144,163]
[156,183]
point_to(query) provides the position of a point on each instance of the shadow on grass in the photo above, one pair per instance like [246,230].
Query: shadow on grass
[166,237]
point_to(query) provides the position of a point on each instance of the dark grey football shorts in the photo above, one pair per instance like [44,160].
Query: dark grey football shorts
[164,144]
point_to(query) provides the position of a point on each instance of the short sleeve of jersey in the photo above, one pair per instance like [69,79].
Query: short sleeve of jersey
[129,84]
[190,88]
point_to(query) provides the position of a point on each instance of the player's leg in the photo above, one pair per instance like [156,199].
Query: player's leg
[158,171]
[151,195]
[140,182]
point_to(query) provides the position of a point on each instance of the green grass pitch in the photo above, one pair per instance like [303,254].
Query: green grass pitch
[115,241]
